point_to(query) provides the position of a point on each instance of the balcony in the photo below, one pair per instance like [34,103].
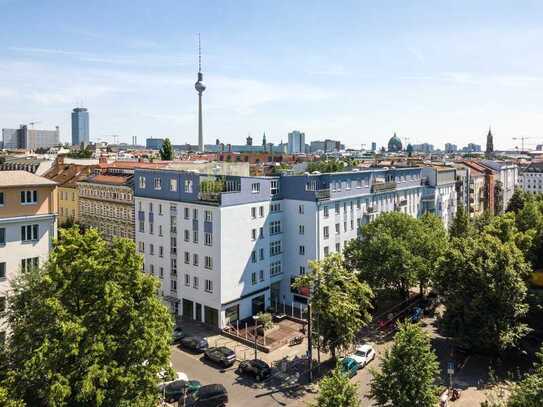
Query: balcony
[322,194]
[211,188]
[383,186]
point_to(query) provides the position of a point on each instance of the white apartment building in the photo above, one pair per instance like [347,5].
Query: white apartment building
[226,248]
[531,178]
[28,225]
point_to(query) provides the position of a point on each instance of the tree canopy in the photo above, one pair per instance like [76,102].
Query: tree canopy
[166,151]
[408,373]
[340,302]
[397,251]
[336,390]
[482,283]
[87,329]
[460,226]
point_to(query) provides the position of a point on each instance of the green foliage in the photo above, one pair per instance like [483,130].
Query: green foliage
[409,150]
[88,329]
[328,165]
[498,198]
[460,226]
[83,153]
[166,151]
[481,282]
[397,251]
[265,320]
[517,201]
[340,302]
[336,390]
[408,371]
[212,185]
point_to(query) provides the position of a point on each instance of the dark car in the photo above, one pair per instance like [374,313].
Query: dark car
[173,391]
[349,366]
[255,368]
[194,343]
[212,395]
[221,355]
[177,335]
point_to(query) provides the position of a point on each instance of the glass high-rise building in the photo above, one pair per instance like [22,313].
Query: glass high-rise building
[80,126]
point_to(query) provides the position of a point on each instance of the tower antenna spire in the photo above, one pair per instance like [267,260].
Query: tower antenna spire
[199,54]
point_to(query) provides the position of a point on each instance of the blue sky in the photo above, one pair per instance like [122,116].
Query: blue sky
[439,71]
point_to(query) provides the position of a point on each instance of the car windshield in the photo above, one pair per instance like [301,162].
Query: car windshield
[224,350]
[361,353]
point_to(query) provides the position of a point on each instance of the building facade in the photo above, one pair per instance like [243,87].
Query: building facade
[106,203]
[440,194]
[80,126]
[296,142]
[531,178]
[226,248]
[30,139]
[27,226]
[154,143]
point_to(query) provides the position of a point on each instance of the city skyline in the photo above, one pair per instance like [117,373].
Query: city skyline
[355,73]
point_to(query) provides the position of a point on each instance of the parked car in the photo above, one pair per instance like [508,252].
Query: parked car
[212,395]
[363,355]
[194,343]
[255,368]
[349,366]
[177,335]
[221,355]
[175,390]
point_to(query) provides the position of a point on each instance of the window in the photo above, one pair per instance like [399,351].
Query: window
[188,185]
[326,232]
[2,270]
[187,213]
[275,227]
[326,250]
[338,247]
[152,269]
[261,211]
[208,216]
[261,233]
[195,259]
[187,235]
[345,226]
[325,212]
[142,182]
[187,280]
[253,257]
[173,267]
[261,252]
[352,224]
[1,199]
[255,188]
[302,270]
[151,228]
[301,209]
[173,245]
[160,209]
[160,230]
[158,183]
[209,286]
[151,249]
[337,207]
[160,251]
[253,234]
[208,239]
[301,229]
[2,236]
[275,268]
[195,282]
[253,278]
[173,285]
[301,250]
[195,214]
[173,184]
[195,236]
[274,187]
[275,207]
[29,197]
[161,272]
[261,275]
[187,257]
[358,203]
[208,262]
[253,212]
[141,247]
[337,229]
[275,248]
[30,263]
[29,233]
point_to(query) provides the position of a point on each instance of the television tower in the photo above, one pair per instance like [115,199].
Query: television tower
[200,87]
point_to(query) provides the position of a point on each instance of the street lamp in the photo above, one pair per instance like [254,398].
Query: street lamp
[256,318]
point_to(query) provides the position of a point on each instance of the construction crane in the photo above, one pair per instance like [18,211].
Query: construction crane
[522,138]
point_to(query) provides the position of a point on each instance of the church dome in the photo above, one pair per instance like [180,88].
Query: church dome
[394,144]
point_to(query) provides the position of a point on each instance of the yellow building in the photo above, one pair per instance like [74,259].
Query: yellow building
[67,176]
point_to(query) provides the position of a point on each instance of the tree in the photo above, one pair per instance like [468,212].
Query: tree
[397,251]
[87,329]
[340,302]
[336,390]
[166,151]
[481,282]
[530,219]
[409,150]
[408,371]
[517,201]
[460,226]
[498,198]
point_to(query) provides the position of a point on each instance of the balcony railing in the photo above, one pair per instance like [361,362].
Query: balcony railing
[322,194]
[383,186]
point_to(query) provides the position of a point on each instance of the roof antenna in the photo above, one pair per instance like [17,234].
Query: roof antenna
[199,54]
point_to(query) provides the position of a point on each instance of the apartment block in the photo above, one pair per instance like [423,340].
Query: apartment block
[228,247]
[28,226]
